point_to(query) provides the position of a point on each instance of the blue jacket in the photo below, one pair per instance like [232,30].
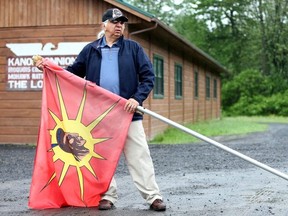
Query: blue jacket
[136,74]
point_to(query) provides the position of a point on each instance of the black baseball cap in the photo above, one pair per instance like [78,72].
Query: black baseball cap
[114,14]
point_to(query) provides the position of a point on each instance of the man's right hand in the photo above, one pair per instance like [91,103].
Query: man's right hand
[38,60]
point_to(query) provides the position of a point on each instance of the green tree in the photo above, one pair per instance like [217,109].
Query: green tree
[194,30]
[245,93]
[248,84]
[226,39]
[163,10]
[272,19]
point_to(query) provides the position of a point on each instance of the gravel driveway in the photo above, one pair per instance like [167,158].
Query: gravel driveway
[195,179]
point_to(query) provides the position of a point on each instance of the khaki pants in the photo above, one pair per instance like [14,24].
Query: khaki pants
[140,166]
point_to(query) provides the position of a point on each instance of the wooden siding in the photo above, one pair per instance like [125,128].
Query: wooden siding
[17,13]
[49,12]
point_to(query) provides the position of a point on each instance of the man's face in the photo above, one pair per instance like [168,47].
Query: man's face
[114,28]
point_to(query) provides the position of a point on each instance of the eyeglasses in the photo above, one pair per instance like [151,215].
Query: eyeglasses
[116,21]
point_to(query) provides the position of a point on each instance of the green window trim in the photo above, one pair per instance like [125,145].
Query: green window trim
[158,66]
[196,84]
[215,89]
[208,88]
[178,81]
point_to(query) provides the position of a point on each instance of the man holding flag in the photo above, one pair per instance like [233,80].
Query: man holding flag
[122,67]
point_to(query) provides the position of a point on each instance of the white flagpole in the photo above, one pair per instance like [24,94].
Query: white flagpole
[217,144]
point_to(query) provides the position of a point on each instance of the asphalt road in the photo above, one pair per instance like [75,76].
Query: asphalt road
[195,179]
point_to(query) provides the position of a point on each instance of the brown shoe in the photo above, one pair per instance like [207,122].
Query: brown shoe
[105,205]
[158,205]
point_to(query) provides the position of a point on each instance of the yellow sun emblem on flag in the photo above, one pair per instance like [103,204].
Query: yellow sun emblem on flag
[75,143]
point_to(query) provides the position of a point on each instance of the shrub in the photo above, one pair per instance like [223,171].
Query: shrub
[251,93]
[276,104]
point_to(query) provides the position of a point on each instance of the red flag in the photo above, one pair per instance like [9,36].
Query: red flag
[81,136]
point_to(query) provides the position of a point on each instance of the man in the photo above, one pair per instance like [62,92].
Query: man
[121,66]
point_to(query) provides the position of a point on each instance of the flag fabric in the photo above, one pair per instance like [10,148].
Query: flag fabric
[81,136]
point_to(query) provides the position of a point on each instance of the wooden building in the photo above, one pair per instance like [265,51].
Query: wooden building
[187,80]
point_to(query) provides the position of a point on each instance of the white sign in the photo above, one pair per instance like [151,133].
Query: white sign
[22,75]
[48,49]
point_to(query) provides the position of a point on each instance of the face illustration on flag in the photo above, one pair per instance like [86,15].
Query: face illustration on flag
[72,143]
[81,136]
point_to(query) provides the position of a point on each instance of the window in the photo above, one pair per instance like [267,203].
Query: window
[207,87]
[178,81]
[215,88]
[159,78]
[196,83]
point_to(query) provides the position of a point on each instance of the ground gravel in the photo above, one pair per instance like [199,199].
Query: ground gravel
[195,179]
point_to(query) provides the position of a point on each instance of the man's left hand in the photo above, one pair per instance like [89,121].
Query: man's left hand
[131,105]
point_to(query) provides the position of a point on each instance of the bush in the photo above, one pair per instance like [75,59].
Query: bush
[247,84]
[259,105]
[251,93]
[277,104]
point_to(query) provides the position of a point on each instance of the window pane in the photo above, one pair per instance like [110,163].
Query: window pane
[159,78]
[196,84]
[178,81]
[207,87]
[215,88]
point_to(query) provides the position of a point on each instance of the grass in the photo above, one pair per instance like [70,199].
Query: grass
[221,127]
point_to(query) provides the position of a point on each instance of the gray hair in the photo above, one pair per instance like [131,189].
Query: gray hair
[100,34]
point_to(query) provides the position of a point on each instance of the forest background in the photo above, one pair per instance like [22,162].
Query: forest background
[248,37]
